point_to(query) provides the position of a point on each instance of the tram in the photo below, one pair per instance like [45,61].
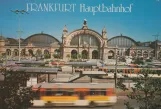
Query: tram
[121,70]
[75,94]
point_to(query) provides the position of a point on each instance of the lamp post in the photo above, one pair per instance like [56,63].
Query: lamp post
[115,75]
[156,40]
[18,12]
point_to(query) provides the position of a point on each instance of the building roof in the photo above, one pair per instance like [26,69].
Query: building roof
[2,37]
[143,47]
[41,38]
[82,63]
[30,62]
[12,41]
[74,85]
[41,70]
[122,41]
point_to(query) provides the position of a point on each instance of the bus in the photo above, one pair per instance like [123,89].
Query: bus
[75,94]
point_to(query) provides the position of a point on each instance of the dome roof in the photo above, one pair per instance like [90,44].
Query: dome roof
[2,37]
[41,38]
[122,41]
[12,41]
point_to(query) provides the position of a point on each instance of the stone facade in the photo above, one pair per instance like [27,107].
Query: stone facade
[81,43]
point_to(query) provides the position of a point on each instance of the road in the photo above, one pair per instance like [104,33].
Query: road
[119,105]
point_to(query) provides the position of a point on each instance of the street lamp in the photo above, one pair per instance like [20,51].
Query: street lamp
[115,74]
[19,31]
[156,40]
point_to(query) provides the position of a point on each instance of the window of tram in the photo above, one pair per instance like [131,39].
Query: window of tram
[49,92]
[94,92]
[70,92]
[59,93]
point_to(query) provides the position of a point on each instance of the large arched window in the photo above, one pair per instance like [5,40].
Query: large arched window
[95,54]
[74,54]
[84,40]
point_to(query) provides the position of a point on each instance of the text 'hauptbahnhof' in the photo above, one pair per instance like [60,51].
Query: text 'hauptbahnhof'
[84,42]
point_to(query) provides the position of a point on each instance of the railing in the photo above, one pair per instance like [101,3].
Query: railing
[74,77]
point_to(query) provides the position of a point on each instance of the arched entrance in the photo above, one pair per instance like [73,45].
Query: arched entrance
[38,53]
[139,53]
[46,54]
[31,52]
[159,55]
[95,54]
[111,54]
[151,54]
[23,52]
[133,53]
[56,53]
[74,54]
[15,52]
[84,54]
[145,54]
[8,52]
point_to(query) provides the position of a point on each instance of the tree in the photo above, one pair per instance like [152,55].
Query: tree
[74,56]
[148,60]
[47,56]
[146,90]
[138,61]
[56,56]
[31,52]
[79,56]
[13,93]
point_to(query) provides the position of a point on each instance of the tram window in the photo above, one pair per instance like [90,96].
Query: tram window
[49,92]
[93,92]
[103,92]
[70,93]
[59,93]
[97,92]
[42,93]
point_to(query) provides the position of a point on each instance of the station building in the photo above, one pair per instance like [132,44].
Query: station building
[81,43]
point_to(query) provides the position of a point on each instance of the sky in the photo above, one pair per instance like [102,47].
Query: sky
[141,24]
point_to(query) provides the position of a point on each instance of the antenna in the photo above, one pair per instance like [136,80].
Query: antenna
[156,36]
[1,32]
[156,41]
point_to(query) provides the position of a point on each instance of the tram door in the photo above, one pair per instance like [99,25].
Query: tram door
[81,95]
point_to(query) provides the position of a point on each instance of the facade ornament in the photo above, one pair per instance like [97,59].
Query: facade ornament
[65,29]
[104,33]
[64,35]
[85,24]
